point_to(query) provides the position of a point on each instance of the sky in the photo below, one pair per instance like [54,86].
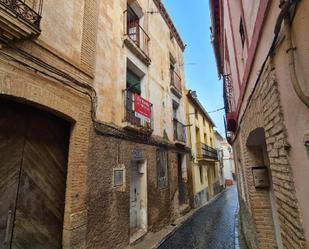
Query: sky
[192,22]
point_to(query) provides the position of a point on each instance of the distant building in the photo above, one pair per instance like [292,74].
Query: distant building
[262,54]
[205,166]
[226,159]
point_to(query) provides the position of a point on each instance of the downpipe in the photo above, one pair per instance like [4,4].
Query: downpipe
[290,51]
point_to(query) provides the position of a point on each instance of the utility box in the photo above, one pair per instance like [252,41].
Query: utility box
[260,177]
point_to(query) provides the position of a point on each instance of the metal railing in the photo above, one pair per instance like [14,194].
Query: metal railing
[179,131]
[135,32]
[130,114]
[206,152]
[228,93]
[175,80]
[21,10]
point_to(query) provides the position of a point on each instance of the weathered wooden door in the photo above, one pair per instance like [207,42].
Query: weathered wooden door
[33,163]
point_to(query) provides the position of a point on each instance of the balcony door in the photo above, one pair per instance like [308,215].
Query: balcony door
[133,87]
[33,156]
[133,26]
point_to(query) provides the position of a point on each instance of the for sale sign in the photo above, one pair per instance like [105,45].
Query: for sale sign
[142,108]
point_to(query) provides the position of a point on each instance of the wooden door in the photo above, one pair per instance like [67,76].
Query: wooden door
[37,219]
[12,130]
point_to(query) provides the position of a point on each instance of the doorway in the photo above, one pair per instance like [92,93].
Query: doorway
[210,178]
[33,155]
[138,200]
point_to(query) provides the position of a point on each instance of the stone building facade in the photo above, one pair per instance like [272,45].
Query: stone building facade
[204,159]
[92,94]
[262,55]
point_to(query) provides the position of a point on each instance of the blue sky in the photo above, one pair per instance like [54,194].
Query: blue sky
[192,21]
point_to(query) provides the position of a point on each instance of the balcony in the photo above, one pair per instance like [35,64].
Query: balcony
[229,105]
[138,114]
[206,153]
[179,132]
[19,21]
[135,37]
[176,86]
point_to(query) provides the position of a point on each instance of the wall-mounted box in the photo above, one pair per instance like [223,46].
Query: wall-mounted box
[119,178]
[260,177]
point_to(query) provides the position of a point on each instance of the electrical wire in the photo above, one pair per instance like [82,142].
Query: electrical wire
[217,110]
[82,87]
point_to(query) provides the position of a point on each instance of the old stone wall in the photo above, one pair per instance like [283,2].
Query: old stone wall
[109,208]
[264,111]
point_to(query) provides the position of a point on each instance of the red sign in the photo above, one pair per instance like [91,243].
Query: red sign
[142,107]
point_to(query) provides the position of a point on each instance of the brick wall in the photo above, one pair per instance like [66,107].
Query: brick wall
[53,96]
[264,111]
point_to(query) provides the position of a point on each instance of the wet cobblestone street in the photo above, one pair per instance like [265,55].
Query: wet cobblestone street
[212,227]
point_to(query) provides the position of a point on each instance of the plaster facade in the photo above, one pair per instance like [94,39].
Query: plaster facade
[205,166]
[77,68]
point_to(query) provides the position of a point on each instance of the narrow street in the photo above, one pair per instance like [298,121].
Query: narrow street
[212,227]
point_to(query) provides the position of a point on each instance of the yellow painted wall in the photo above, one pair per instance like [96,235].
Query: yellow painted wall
[206,136]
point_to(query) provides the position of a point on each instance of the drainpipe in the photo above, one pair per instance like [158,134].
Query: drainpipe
[290,51]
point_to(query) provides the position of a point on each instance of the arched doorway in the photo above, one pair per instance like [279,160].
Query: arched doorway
[259,160]
[33,169]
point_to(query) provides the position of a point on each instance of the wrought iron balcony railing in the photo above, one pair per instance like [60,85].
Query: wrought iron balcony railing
[135,32]
[176,80]
[206,152]
[21,10]
[228,93]
[138,112]
[229,105]
[179,131]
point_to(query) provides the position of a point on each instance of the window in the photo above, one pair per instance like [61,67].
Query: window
[133,82]
[162,173]
[242,33]
[172,63]
[175,110]
[196,113]
[133,25]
